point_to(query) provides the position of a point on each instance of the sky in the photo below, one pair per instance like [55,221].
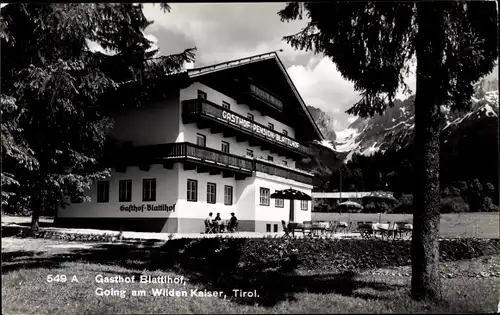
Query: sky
[226,31]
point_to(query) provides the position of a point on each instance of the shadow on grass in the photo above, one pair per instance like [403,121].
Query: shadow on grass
[272,286]
[40,223]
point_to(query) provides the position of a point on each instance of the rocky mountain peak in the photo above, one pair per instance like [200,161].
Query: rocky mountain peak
[394,129]
[324,122]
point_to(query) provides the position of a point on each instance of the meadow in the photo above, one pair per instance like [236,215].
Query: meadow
[32,283]
[333,276]
[453,225]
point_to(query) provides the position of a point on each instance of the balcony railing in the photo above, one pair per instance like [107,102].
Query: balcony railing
[239,122]
[185,151]
[211,155]
[263,167]
[265,96]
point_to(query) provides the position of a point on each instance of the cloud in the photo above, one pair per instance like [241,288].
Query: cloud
[95,46]
[223,31]
[410,80]
[154,41]
[321,85]
[226,31]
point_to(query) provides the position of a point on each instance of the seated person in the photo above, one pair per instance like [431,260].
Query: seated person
[218,222]
[233,222]
[208,222]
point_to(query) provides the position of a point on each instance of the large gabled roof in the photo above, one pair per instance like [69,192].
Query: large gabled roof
[200,71]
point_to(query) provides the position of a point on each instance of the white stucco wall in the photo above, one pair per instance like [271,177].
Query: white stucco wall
[273,213]
[166,193]
[242,109]
[155,124]
[200,209]
[245,194]
[188,132]
[161,122]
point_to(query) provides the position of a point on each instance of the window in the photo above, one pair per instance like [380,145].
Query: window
[125,190]
[285,163]
[225,147]
[304,205]
[270,158]
[226,105]
[285,133]
[250,117]
[192,190]
[103,191]
[201,140]
[211,195]
[228,195]
[202,95]
[249,152]
[279,203]
[264,196]
[268,227]
[149,189]
[271,126]
[275,228]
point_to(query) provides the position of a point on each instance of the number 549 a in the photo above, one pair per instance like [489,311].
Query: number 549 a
[56,278]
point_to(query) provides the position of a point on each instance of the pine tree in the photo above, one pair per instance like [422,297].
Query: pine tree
[454,44]
[54,88]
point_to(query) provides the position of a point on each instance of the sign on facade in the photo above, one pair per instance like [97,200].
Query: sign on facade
[148,207]
[234,119]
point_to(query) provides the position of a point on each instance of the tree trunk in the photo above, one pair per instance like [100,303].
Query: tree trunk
[35,212]
[425,283]
[35,218]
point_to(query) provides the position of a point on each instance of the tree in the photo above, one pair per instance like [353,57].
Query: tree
[55,88]
[13,147]
[489,206]
[454,45]
[489,190]
[475,195]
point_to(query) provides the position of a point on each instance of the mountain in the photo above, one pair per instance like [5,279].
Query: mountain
[394,129]
[324,159]
[469,141]
[324,122]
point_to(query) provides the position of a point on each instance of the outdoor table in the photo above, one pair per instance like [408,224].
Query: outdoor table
[318,227]
[292,226]
[383,228]
[406,230]
[342,226]
[219,225]
[380,226]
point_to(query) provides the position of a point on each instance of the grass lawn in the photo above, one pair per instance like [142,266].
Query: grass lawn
[453,225]
[25,289]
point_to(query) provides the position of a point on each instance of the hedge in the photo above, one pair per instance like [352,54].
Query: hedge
[229,254]
[330,255]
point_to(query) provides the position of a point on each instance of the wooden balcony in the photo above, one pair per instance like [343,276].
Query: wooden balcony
[192,156]
[201,159]
[262,166]
[263,96]
[218,119]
